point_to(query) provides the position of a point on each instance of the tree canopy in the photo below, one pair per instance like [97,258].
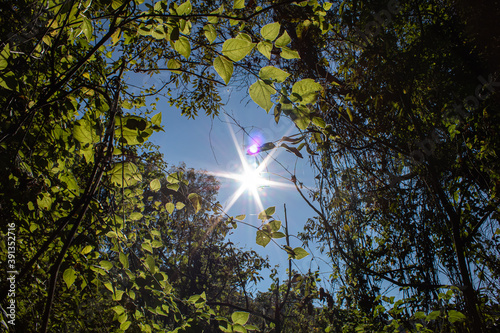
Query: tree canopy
[396,105]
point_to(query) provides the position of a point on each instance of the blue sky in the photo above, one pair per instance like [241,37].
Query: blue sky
[208,144]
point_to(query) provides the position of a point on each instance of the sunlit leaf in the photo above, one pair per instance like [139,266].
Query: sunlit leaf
[305,91]
[170,207]
[69,276]
[287,53]
[195,201]
[185,8]
[183,46]
[210,33]
[236,48]
[224,67]
[270,31]
[155,185]
[267,214]
[283,40]
[261,92]
[272,73]
[300,253]
[125,174]
[239,4]
[265,48]
[263,238]
[107,265]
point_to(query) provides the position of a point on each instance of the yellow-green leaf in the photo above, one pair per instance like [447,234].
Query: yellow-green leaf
[69,276]
[239,4]
[287,53]
[272,73]
[283,40]
[155,185]
[224,67]
[183,46]
[210,33]
[270,31]
[265,48]
[261,92]
[236,48]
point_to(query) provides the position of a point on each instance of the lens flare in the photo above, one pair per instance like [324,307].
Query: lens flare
[253,149]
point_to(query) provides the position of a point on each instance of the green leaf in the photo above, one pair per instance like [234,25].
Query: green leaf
[86,249]
[156,120]
[44,201]
[174,64]
[179,205]
[123,260]
[150,262]
[272,73]
[239,328]
[267,214]
[107,265]
[125,174]
[244,36]
[185,8]
[262,238]
[277,235]
[236,48]
[9,81]
[87,28]
[261,92]
[275,224]
[240,317]
[287,53]
[327,6]
[270,31]
[155,185]
[433,315]
[454,316]
[84,132]
[135,216]
[183,46]
[215,19]
[239,4]
[147,247]
[240,217]
[4,55]
[265,48]
[210,33]
[224,67]
[283,40]
[319,122]
[300,253]
[195,201]
[69,276]
[170,207]
[305,91]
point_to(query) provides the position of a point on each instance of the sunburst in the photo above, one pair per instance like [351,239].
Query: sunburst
[251,178]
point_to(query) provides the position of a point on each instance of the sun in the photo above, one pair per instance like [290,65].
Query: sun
[251,179]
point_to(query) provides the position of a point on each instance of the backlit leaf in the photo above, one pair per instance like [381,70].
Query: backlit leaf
[240,317]
[155,185]
[287,53]
[272,73]
[265,48]
[183,46]
[261,92]
[224,67]
[236,48]
[210,33]
[305,91]
[262,238]
[69,276]
[270,31]
[283,40]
